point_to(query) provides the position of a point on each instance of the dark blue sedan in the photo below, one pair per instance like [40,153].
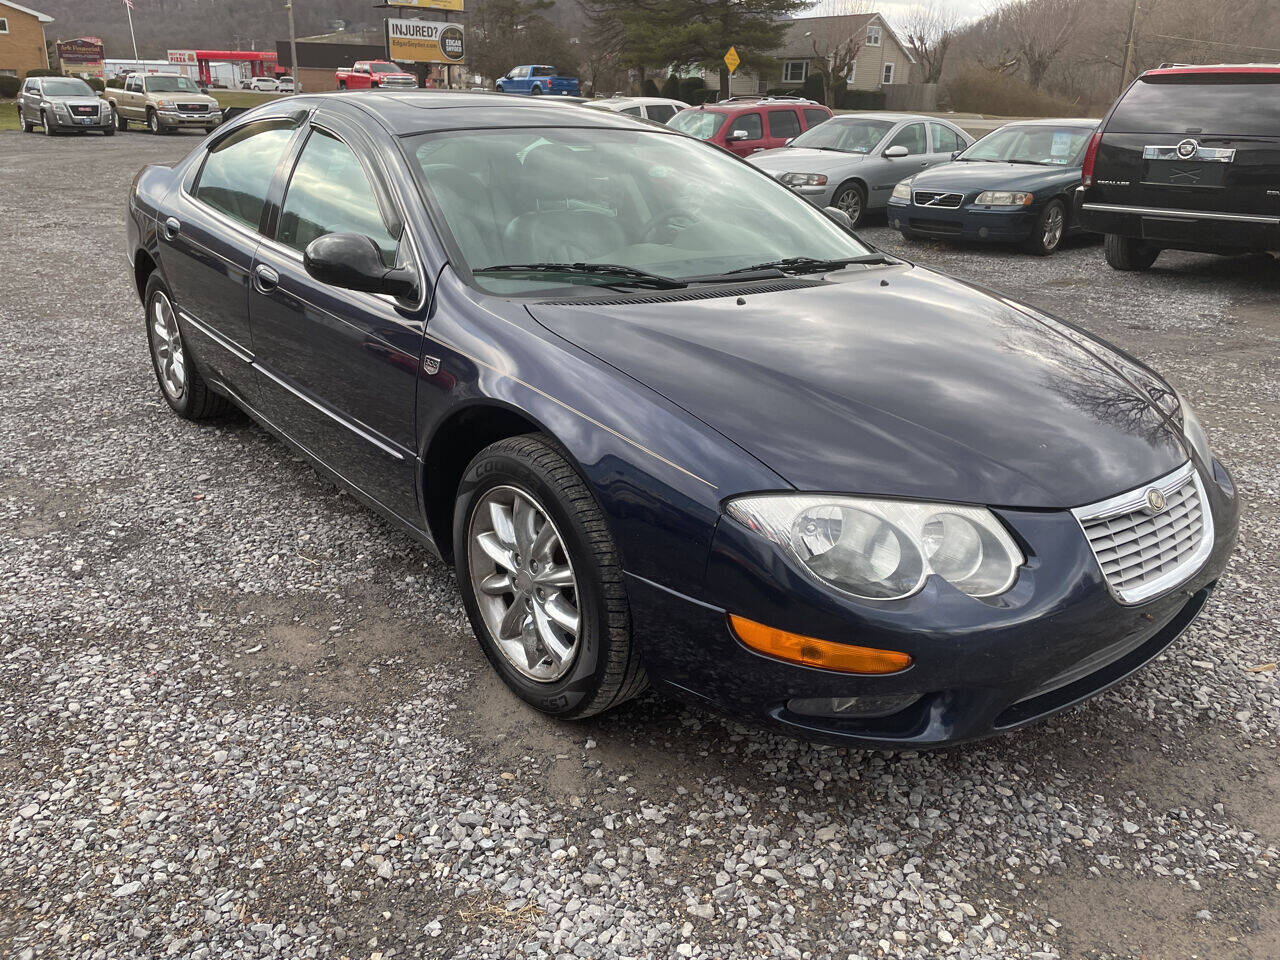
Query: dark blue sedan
[1013,185]
[674,425]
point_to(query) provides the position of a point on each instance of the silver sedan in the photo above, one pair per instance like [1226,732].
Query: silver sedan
[853,161]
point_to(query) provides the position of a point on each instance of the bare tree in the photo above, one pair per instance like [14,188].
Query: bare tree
[1039,31]
[929,30]
[835,42]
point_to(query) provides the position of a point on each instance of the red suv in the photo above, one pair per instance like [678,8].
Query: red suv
[743,125]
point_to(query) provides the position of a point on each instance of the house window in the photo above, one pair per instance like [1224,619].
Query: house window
[794,71]
[888,73]
[4,25]
[873,36]
[852,80]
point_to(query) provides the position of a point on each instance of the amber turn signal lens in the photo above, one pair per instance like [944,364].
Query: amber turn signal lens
[812,652]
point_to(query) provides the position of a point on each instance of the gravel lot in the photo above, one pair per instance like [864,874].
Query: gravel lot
[242,717]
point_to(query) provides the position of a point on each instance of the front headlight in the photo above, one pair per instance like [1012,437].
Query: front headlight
[1003,198]
[167,104]
[885,549]
[803,179]
[902,191]
[61,109]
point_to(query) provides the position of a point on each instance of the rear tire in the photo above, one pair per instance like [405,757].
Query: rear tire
[1129,253]
[1051,227]
[602,666]
[535,92]
[342,84]
[27,125]
[185,391]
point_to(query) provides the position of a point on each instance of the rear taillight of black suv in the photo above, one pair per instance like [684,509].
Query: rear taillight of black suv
[1090,157]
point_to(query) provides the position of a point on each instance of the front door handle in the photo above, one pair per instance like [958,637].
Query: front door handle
[171,228]
[265,279]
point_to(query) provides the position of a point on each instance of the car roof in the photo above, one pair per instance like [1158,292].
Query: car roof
[1055,122]
[1186,69]
[636,101]
[891,117]
[424,111]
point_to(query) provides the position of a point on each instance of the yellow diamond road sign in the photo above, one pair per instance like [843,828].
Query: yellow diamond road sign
[731,60]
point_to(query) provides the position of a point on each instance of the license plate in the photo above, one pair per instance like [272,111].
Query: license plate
[1173,173]
[86,119]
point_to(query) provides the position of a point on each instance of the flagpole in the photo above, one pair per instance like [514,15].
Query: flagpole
[128,6]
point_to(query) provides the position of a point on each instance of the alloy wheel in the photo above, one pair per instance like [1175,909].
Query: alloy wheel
[851,203]
[166,342]
[1053,227]
[524,583]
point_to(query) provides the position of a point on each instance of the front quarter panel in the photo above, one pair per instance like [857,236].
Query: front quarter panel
[658,473]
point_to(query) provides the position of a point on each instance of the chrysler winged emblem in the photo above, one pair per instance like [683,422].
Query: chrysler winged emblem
[1155,501]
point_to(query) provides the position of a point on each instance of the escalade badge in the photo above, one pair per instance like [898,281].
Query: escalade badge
[1188,149]
[1155,501]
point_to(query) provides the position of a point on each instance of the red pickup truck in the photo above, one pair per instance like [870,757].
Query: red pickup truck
[368,74]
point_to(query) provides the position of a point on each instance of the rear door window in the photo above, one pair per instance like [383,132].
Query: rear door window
[662,112]
[1246,109]
[631,111]
[238,171]
[783,124]
[945,139]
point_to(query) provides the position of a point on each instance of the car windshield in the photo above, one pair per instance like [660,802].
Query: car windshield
[1032,143]
[846,136]
[170,85]
[385,68]
[67,87]
[634,200]
[702,124]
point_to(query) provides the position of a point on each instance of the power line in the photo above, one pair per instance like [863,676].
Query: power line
[1215,43]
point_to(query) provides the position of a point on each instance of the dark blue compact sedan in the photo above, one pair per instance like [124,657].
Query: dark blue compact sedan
[673,424]
[1013,185]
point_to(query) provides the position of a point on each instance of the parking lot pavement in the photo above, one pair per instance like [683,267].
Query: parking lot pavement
[242,717]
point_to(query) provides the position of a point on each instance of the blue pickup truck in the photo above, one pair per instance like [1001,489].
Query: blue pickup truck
[536,79]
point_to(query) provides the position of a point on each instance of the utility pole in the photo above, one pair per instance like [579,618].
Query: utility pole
[293,48]
[1128,48]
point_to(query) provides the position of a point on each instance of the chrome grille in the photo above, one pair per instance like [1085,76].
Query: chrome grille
[84,110]
[1143,551]
[193,107]
[933,198]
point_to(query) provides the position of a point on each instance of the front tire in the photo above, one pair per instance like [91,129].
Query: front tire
[1051,227]
[121,123]
[49,129]
[852,199]
[1129,253]
[541,580]
[109,130]
[499,89]
[153,122]
[175,369]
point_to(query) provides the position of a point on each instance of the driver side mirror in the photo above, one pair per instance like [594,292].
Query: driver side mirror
[737,135]
[956,153]
[894,153]
[352,261]
[840,217]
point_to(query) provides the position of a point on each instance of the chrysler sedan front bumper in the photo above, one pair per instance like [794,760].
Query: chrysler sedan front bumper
[980,667]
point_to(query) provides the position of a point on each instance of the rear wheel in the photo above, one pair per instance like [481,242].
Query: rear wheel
[1051,226]
[342,84]
[27,125]
[852,199]
[1129,253]
[535,92]
[180,382]
[542,580]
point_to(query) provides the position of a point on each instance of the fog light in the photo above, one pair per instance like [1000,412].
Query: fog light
[867,708]
[982,232]
[812,652]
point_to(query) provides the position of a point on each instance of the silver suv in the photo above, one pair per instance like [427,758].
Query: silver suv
[62,103]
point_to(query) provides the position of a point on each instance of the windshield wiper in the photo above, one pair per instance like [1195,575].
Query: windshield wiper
[628,276]
[810,264]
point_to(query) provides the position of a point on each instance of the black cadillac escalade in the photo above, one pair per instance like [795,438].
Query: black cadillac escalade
[1187,159]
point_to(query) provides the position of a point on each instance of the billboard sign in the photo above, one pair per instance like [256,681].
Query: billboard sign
[183,56]
[428,4]
[425,41]
[79,51]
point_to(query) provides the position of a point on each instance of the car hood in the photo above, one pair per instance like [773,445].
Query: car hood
[76,101]
[802,160]
[969,175]
[893,381]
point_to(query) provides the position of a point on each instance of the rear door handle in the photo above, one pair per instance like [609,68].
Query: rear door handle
[171,228]
[265,279]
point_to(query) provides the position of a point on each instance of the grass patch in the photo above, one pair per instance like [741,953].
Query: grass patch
[9,115]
